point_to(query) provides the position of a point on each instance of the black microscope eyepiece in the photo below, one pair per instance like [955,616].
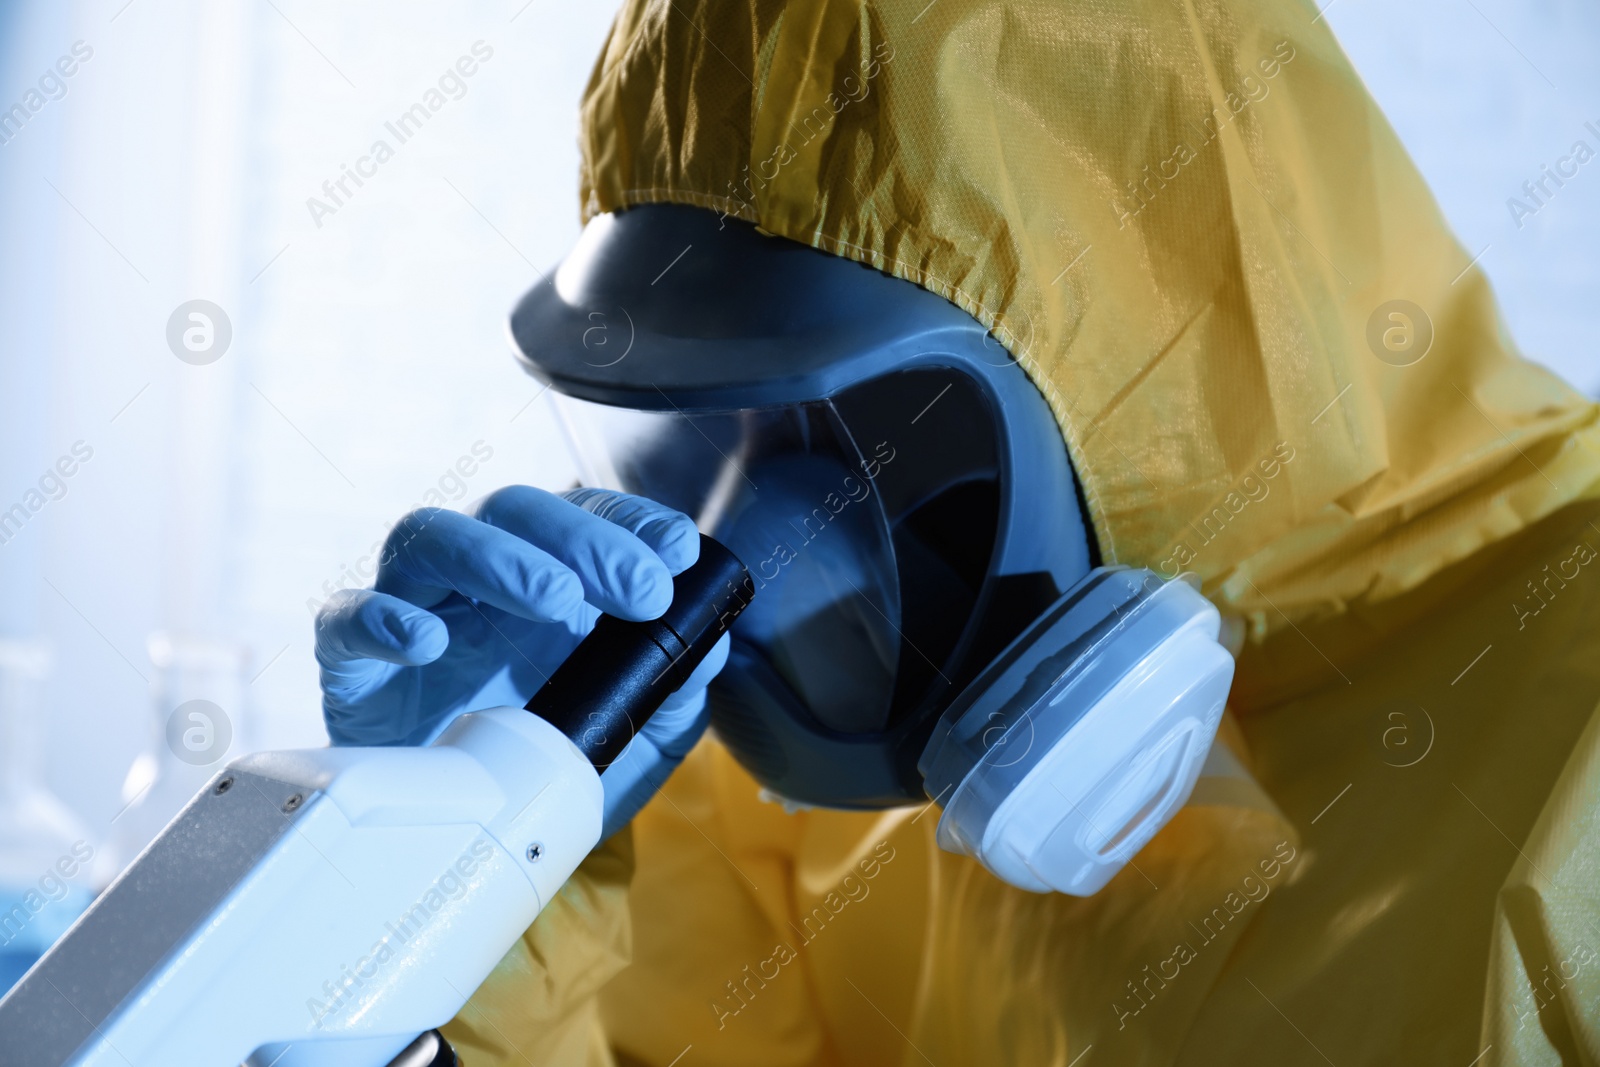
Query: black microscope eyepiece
[618,675]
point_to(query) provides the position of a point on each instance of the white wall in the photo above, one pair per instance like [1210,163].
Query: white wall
[1484,93]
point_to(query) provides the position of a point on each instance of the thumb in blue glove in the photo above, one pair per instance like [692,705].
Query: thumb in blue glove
[476,611]
[660,745]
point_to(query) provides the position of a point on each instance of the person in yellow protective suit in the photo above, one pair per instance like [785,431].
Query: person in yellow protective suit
[1194,229]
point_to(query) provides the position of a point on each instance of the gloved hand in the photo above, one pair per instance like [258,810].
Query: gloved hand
[476,611]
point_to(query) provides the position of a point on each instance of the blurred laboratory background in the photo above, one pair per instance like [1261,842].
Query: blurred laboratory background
[239,341]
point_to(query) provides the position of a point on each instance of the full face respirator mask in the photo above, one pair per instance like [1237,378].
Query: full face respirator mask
[930,621]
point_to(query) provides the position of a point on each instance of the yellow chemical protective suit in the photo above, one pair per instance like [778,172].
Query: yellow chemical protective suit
[1189,221]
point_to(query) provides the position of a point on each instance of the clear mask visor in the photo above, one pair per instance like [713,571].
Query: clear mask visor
[793,492]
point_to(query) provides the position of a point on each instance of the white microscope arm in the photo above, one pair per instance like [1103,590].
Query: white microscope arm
[317,907]
[324,907]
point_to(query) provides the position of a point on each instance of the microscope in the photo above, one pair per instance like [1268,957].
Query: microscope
[325,907]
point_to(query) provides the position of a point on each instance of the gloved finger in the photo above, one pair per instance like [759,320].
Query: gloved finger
[660,745]
[709,667]
[433,552]
[361,624]
[644,767]
[622,575]
[676,726]
[348,724]
[630,782]
[671,534]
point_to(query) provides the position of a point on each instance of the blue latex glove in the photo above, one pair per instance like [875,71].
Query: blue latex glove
[476,611]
